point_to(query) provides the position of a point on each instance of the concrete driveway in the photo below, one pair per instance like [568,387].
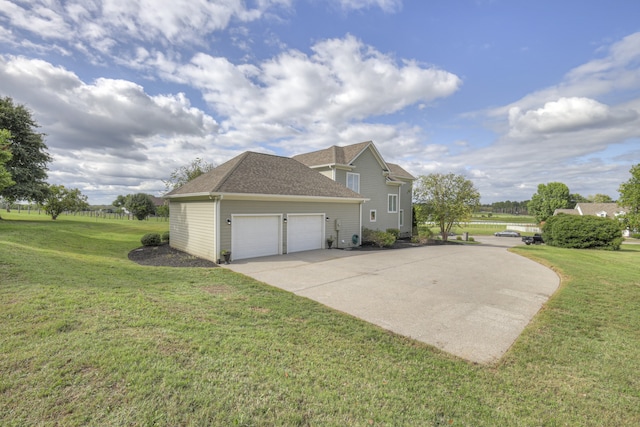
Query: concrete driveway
[472,301]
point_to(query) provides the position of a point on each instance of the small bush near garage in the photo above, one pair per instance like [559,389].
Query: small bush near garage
[165,236]
[582,232]
[394,231]
[377,238]
[151,239]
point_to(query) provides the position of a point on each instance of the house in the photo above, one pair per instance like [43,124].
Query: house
[361,168]
[259,204]
[603,210]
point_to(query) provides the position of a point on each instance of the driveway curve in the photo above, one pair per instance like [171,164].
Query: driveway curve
[472,301]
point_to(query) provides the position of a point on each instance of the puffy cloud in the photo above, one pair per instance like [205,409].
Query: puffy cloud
[616,73]
[343,82]
[566,115]
[105,27]
[109,125]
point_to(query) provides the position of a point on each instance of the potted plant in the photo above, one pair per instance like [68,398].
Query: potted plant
[330,242]
[226,255]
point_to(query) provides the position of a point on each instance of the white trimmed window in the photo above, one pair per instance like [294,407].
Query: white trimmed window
[372,215]
[401,218]
[353,181]
[392,207]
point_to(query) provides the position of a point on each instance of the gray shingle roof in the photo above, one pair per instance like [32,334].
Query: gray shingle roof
[346,155]
[257,173]
[398,172]
[333,155]
[594,209]
[611,209]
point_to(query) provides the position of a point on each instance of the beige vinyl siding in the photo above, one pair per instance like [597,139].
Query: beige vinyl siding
[348,213]
[192,228]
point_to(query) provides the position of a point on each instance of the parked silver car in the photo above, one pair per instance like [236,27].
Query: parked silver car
[507,233]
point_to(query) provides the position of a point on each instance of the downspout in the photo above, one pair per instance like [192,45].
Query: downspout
[216,201]
[360,233]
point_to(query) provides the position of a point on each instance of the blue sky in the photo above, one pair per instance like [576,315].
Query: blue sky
[510,94]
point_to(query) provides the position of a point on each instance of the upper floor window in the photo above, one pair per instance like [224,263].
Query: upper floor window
[353,181]
[393,203]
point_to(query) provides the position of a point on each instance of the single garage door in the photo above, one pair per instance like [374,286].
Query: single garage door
[255,236]
[305,232]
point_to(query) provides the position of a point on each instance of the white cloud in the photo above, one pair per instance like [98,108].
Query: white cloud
[614,74]
[389,6]
[109,125]
[119,27]
[343,82]
[566,115]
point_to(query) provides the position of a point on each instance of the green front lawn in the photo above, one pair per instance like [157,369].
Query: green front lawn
[89,338]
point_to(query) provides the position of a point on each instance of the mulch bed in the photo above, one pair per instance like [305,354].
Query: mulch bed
[166,256]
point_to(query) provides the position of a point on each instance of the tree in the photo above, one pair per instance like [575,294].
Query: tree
[5,156]
[140,205]
[446,200]
[551,196]
[184,174]
[61,199]
[630,198]
[575,199]
[600,198]
[28,165]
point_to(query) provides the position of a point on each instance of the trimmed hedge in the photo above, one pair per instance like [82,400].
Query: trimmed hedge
[151,239]
[582,232]
[165,236]
[378,238]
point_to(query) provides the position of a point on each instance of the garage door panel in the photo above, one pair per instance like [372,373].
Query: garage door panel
[304,232]
[255,236]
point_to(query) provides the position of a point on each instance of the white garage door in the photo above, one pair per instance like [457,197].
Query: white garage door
[255,236]
[305,232]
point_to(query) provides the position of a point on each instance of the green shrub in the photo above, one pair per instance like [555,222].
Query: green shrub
[378,238]
[471,239]
[151,239]
[582,232]
[394,231]
[165,236]
[636,235]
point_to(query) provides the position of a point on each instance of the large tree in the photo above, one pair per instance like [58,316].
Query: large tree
[28,165]
[446,200]
[551,196]
[630,198]
[5,156]
[140,205]
[60,199]
[184,174]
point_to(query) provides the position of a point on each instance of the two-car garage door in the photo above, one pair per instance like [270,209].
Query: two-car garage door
[261,235]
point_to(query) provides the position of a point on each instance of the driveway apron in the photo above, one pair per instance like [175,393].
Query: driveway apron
[472,301]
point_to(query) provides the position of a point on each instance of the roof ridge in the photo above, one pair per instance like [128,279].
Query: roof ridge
[226,176]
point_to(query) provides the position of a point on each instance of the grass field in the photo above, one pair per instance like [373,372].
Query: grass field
[89,338]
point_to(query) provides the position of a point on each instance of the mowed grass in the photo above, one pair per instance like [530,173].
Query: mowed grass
[89,338]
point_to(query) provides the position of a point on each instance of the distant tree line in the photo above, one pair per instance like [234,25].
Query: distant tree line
[506,207]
